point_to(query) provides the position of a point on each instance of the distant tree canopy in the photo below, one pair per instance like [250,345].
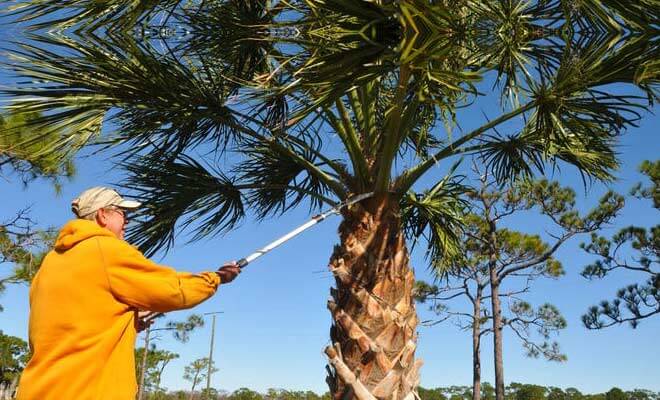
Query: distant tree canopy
[520,391]
[514,391]
[431,394]
[616,394]
[276,394]
[530,392]
[22,248]
[157,360]
[635,249]
[29,154]
[245,394]
[197,371]
[14,354]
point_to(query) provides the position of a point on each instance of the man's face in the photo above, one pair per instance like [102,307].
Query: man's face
[113,219]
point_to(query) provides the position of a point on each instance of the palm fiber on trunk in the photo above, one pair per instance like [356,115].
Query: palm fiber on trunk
[374,319]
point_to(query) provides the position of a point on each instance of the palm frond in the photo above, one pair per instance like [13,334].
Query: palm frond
[344,48]
[183,194]
[602,61]
[512,40]
[281,174]
[436,216]
[159,100]
[511,157]
[638,16]
[421,139]
[89,14]
[604,15]
[577,118]
[528,153]
[234,36]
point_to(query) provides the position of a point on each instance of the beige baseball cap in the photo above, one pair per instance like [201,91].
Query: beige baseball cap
[98,197]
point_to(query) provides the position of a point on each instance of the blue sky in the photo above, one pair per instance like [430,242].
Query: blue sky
[275,323]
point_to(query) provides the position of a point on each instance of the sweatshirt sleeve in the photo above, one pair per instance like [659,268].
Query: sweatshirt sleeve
[141,283]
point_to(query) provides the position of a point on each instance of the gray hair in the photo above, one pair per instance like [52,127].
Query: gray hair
[92,216]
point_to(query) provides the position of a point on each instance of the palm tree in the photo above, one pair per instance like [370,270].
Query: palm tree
[345,97]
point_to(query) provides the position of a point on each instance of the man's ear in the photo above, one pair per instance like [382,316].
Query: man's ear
[101,217]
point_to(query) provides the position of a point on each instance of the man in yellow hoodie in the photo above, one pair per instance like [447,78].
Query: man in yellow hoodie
[85,299]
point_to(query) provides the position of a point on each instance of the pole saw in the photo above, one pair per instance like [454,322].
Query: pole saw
[276,243]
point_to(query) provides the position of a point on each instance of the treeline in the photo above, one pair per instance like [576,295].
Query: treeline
[521,391]
[240,394]
[514,391]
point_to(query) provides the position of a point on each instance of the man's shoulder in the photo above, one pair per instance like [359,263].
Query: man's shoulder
[116,244]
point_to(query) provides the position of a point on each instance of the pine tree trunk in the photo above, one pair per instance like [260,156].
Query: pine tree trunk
[476,346]
[192,390]
[497,336]
[495,304]
[374,320]
[143,363]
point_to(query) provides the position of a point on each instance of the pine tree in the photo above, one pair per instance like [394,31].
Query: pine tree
[637,301]
[495,255]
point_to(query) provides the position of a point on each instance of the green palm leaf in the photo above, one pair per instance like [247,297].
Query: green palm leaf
[181,191]
[278,181]
[89,14]
[233,36]
[159,100]
[576,105]
[436,216]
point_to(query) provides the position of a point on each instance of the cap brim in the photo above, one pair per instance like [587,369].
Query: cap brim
[129,204]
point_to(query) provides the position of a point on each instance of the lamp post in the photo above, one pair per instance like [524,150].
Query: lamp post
[208,374]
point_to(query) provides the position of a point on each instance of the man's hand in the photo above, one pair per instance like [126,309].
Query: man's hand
[228,272]
[143,320]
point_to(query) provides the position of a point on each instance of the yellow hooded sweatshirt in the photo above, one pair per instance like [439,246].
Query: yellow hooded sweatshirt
[83,304]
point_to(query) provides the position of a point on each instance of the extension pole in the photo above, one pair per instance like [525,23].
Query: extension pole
[315,220]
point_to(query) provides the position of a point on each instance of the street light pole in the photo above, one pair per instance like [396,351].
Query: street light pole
[210,366]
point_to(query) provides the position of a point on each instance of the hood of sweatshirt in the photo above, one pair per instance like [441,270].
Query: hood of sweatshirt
[77,230]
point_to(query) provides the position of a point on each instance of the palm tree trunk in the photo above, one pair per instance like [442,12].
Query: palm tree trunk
[374,319]
[476,346]
[143,363]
